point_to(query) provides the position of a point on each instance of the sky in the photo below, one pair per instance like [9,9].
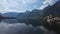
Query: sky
[23,5]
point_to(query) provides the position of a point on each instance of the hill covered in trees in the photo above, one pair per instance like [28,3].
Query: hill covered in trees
[48,17]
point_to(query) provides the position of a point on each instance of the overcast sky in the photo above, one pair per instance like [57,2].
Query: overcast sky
[23,5]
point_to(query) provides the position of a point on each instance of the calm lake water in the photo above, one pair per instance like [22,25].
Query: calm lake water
[12,26]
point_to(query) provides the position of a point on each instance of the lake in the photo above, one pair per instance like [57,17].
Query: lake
[12,26]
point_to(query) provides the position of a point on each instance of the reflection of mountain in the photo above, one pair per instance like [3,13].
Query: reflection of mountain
[10,21]
[30,17]
[55,12]
[34,17]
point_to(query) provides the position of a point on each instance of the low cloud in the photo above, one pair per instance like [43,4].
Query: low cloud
[8,6]
[15,5]
[42,7]
[30,1]
[46,3]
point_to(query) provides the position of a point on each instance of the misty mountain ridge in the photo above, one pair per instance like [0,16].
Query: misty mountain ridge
[10,14]
[54,10]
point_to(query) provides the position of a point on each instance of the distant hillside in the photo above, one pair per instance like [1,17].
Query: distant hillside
[10,14]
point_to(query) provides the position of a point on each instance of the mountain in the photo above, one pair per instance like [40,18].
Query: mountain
[30,14]
[0,13]
[35,13]
[34,17]
[10,14]
[30,17]
[54,9]
[23,15]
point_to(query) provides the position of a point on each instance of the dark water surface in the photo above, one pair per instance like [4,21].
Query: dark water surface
[12,26]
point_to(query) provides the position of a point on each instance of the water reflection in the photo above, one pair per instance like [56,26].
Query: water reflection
[12,26]
[9,21]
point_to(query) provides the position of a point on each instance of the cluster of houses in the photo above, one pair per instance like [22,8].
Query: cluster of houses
[51,19]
